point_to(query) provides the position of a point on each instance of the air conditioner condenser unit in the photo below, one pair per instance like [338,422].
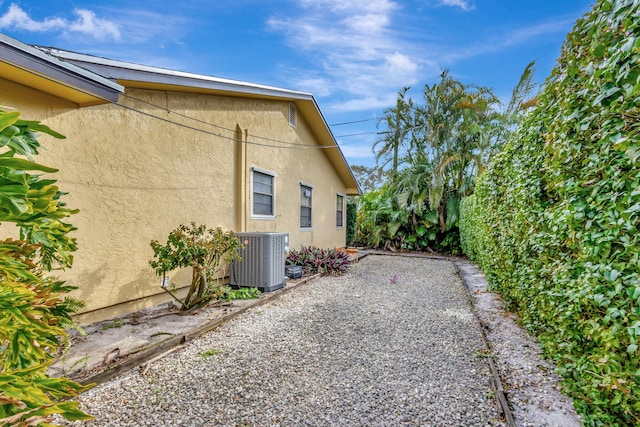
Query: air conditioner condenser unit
[263,261]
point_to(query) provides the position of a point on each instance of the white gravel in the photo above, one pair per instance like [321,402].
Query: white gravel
[354,350]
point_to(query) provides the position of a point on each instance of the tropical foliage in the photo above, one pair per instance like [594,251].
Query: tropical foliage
[433,153]
[315,260]
[399,124]
[241,293]
[369,178]
[206,251]
[352,209]
[555,218]
[33,307]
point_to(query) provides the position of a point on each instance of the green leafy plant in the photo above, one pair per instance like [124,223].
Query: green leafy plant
[242,293]
[34,307]
[206,251]
[210,352]
[433,152]
[315,260]
[449,242]
[114,324]
[554,221]
[352,209]
[396,218]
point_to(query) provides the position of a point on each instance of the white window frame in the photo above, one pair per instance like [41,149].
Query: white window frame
[304,184]
[273,196]
[340,227]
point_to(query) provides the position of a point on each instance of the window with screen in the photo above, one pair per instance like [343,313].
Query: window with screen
[339,210]
[263,193]
[306,194]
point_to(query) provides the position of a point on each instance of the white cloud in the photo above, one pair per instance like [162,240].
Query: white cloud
[140,26]
[506,40]
[523,35]
[352,6]
[86,23]
[89,24]
[359,53]
[398,64]
[462,4]
[316,85]
[373,102]
[18,19]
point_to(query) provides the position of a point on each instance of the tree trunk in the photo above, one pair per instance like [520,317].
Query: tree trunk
[193,289]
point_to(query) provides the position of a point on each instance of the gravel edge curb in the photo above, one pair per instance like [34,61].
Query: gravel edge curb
[502,404]
[150,352]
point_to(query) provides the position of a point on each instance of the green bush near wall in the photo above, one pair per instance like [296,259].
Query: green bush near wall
[352,210]
[555,218]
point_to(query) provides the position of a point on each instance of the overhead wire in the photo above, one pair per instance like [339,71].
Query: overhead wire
[168,110]
[218,126]
[289,145]
[355,121]
[357,134]
[292,145]
[219,135]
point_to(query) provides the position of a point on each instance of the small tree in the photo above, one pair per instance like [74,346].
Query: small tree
[206,251]
[33,307]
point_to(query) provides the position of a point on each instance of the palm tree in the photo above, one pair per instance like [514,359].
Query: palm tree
[461,128]
[521,101]
[398,122]
[447,139]
[433,154]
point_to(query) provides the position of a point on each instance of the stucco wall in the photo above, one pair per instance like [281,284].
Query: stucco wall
[135,178]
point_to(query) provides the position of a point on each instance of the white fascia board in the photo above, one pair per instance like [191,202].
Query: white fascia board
[122,70]
[30,53]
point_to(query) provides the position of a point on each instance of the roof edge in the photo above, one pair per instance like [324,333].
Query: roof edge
[123,70]
[127,71]
[39,63]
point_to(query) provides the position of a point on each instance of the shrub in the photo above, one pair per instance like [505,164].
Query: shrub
[206,251]
[449,242]
[242,293]
[315,260]
[554,219]
[33,307]
[384,223]
[352,209]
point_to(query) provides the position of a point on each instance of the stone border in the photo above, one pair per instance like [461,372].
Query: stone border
[144,354]
[148,354]
[502,404]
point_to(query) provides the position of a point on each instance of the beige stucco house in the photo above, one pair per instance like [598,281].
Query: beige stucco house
[147,149]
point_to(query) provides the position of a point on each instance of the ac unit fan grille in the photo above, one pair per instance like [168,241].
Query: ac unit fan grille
[263,261]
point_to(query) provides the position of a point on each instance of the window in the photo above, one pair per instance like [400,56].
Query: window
[339,210]
[305,206]
[263,186]
[292,115]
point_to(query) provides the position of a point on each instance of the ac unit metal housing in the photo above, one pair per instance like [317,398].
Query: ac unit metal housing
[263,261]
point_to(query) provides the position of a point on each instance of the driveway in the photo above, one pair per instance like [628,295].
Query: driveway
[394,342]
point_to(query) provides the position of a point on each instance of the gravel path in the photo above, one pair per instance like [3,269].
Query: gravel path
[531,383]
[341,351]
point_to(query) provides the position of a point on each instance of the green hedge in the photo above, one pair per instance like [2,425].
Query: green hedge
[554,219]
[352,210]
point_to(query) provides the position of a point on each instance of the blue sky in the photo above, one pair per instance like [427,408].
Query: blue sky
[353,55]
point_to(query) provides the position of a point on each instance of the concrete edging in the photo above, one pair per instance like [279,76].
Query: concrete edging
[502,404]
[144,354]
